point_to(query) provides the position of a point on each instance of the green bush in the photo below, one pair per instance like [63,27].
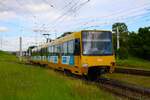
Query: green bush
[139,43]
[122,53]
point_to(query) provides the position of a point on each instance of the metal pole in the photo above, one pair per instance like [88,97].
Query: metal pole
[20,55]
[118,37]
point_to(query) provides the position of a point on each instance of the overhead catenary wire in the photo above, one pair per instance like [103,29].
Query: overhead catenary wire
[119,16]
[80,5]
[129,12]
[99,23]
[21,6]
[110,23]
[69,10]
[76,4]
[35,23]
[122,11]
[114,21]
[43,26]
[122,14]
[64,14]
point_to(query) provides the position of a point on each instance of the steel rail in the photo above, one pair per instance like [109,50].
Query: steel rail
[127,90]
[133,71]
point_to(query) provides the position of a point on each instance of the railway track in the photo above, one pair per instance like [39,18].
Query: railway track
[119,88]
[126,90]
[133,71]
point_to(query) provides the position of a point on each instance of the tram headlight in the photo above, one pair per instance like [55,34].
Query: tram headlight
[84,65]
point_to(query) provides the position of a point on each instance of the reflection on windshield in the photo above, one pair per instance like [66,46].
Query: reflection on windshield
[97,43]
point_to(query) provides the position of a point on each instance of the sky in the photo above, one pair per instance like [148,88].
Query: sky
[30,19]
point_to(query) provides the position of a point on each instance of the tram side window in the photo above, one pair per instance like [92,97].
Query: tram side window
[43,51]
[77,47]
[55,50]
[40,52]
[37,52]
[46,50]
[50,50]
[31,53]
[71,47]
[65,49]
[61,49]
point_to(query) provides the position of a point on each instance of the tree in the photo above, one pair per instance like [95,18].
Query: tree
[139,43]
[122,27]
[123,31]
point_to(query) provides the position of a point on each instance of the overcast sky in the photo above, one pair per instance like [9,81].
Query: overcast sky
[23,17]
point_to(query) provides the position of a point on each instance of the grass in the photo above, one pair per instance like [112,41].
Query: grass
[133,79]
[26,82]
[133,62]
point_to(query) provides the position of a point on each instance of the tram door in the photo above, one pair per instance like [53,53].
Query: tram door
[77,51]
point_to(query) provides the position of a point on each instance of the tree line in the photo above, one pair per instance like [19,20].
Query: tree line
[131,43]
